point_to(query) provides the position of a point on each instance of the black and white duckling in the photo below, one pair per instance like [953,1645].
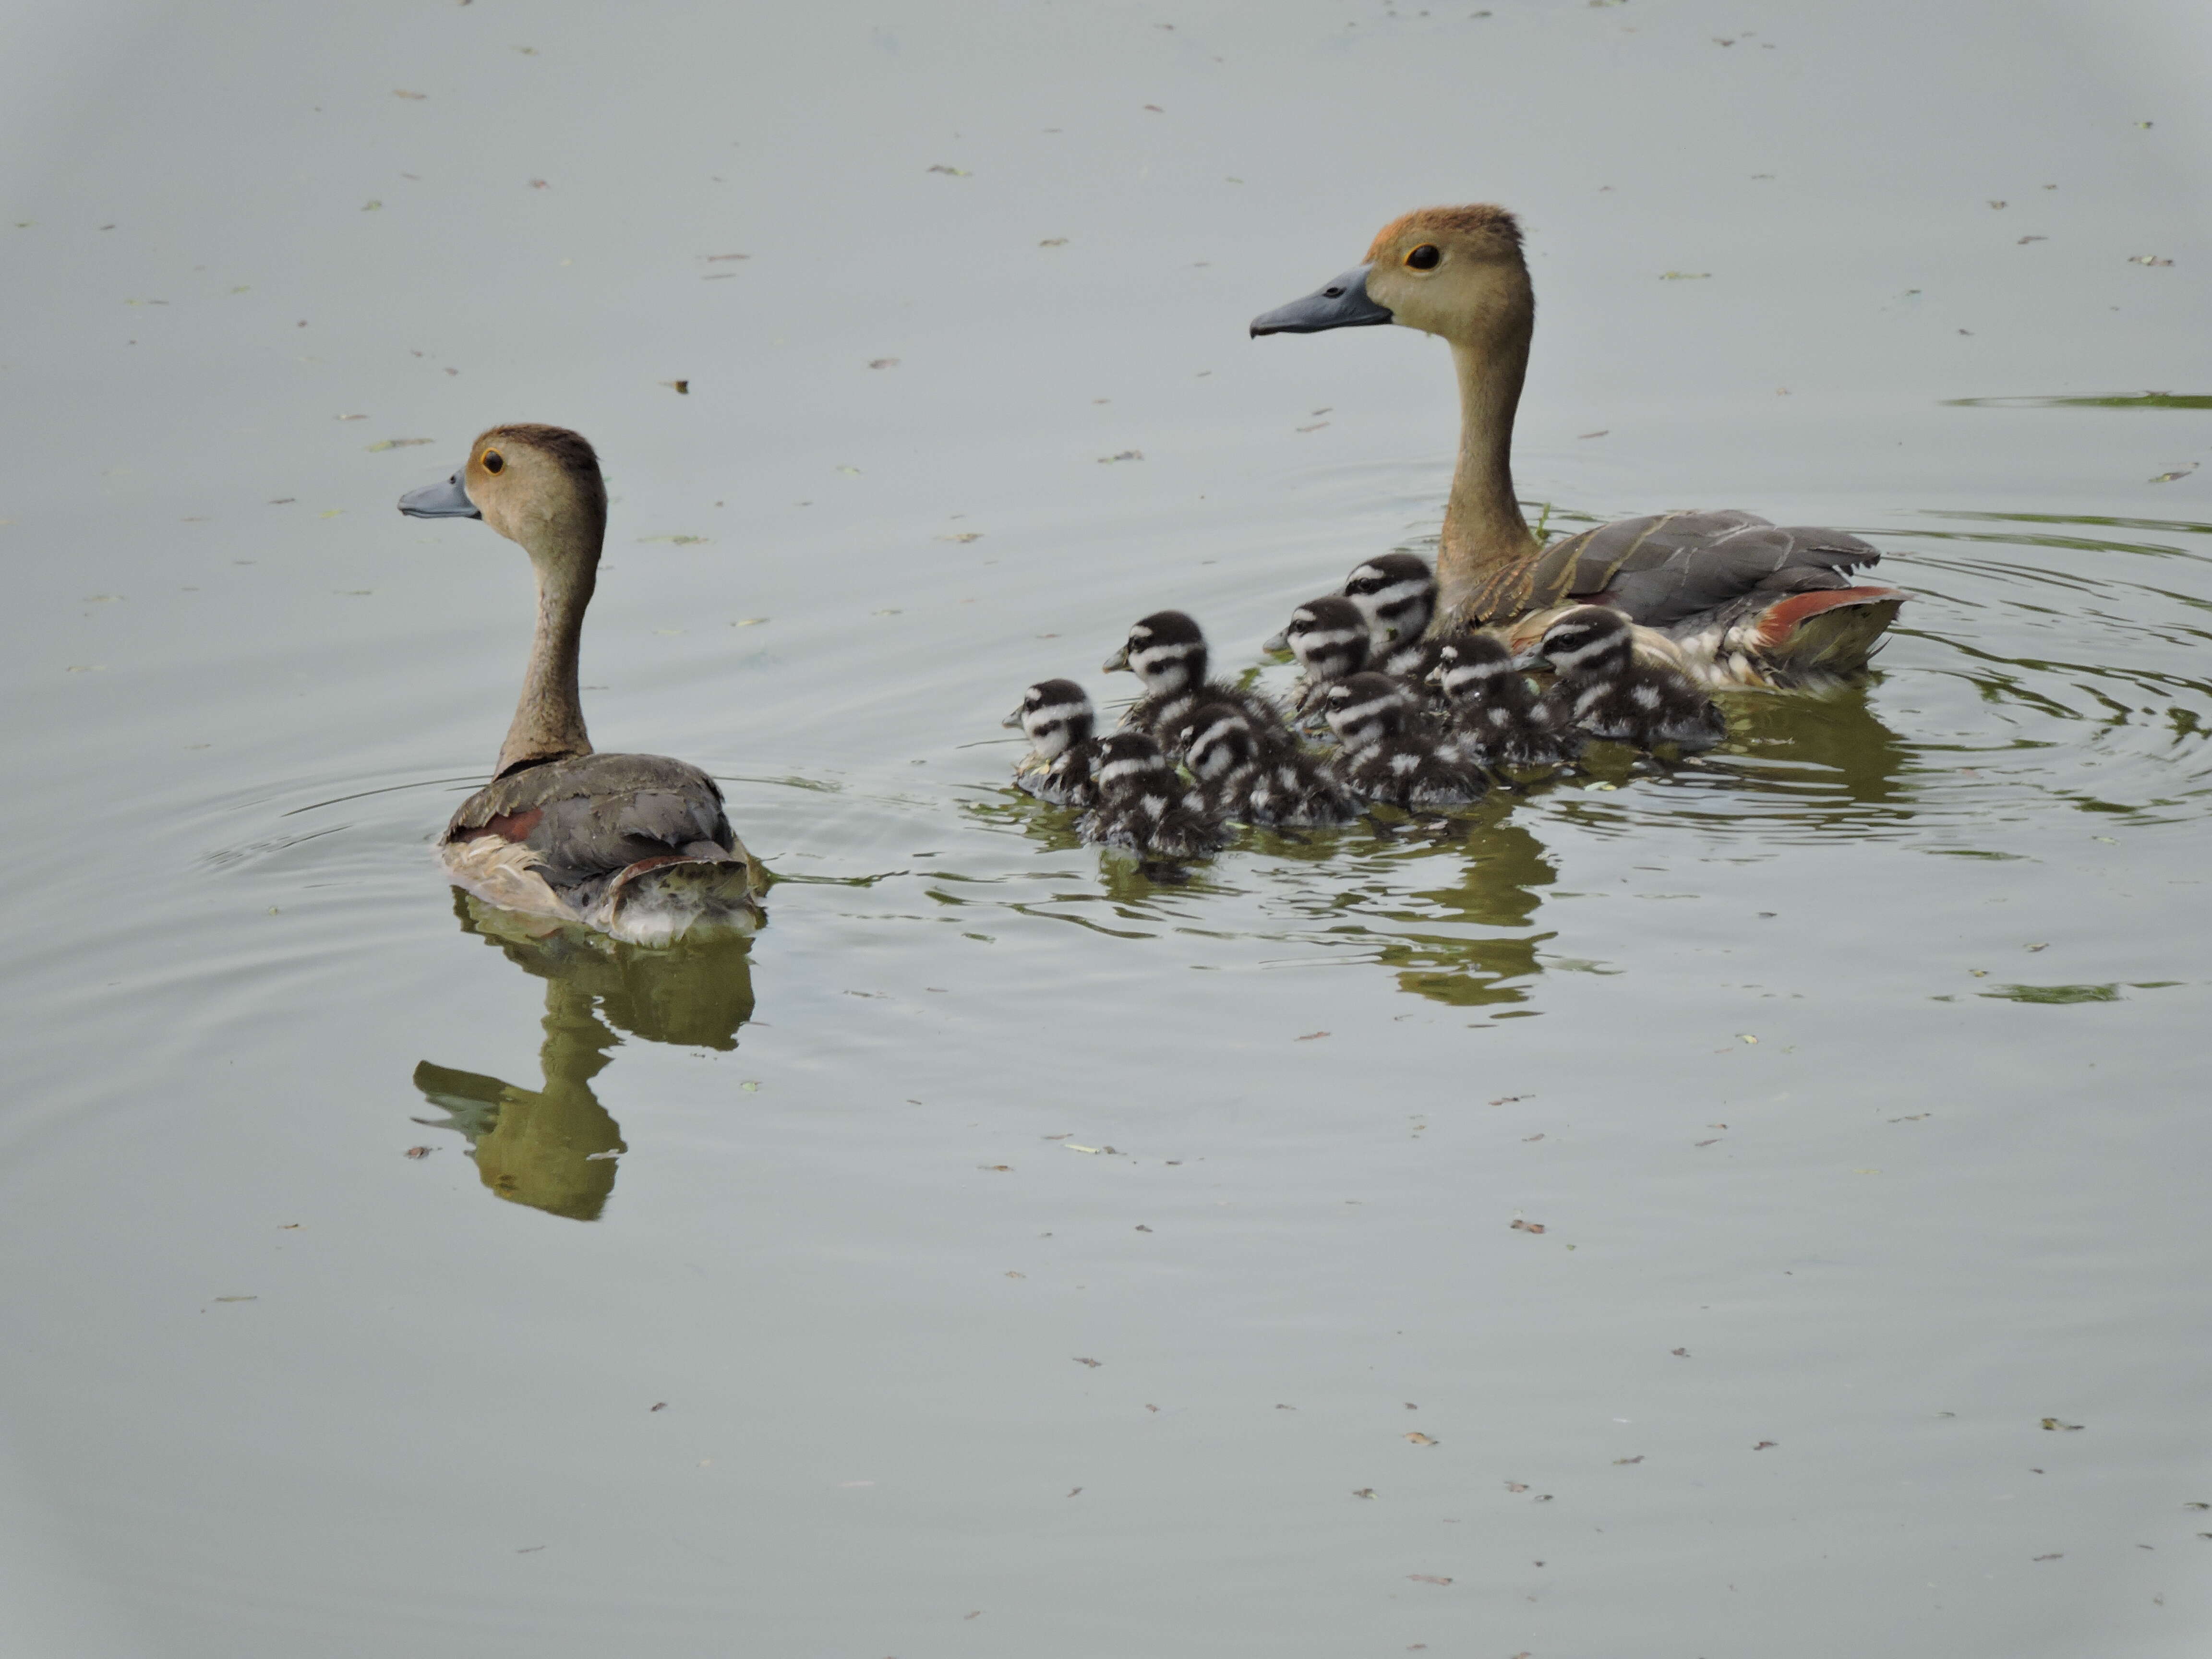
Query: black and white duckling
[1282,786]
[1397,595]
[1499,719]
[633,846]
[1060,721]
[1331,639]
[1387,755]
[1604,689]
[1167,652]
[1144,807]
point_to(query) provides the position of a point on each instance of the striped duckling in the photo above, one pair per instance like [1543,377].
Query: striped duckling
[1167,652]
[1604,690]
[1397,595]
[1331,639]
[1387,756]
[1143,805]
[1497,716]
[1059,719]
[1283,786]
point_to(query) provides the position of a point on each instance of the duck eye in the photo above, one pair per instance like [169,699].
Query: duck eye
[1425,257]
[492,461]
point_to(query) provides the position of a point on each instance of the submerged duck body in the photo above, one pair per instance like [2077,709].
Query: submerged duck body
[1729,596]
[1387,756]
[1604,690]
[1058,718]
[1280,786]
[1144,807]
[637,847]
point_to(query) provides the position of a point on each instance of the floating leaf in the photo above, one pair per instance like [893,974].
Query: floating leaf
[1081,1359]
[1419,1439]
[1520,1226]
[1427,1578]
[2169,478]
[418,1152]
[1124,455]
[1363,1491]
[2053,1423]
[955,173]
[2148,259]
[399,443]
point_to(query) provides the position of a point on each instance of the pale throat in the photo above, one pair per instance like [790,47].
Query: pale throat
[548,720]
[1483,526]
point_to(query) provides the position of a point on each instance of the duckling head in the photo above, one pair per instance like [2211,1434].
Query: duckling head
[1215,739]
[1364,710]
[1454,271]
[1127,759]
[1055,713]
[538,486]
[1397,595]
[1329,638]
[1166,651]
[1469,666]
[1590,639]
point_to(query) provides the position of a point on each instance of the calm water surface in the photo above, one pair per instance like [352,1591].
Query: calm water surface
[1009,1255]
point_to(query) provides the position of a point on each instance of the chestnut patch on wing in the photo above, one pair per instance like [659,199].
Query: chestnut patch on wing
[513,826]
[1784,618]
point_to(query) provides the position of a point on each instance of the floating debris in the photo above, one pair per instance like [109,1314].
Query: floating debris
[953,173]
[1124,455]
[1520,1226]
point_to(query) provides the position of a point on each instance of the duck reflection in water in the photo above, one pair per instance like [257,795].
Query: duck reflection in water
[555,1148]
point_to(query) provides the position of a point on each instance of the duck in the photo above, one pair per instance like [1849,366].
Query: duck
[1499,719]
[1397,595]
[1604,690]
[1167,652]
[1387,756]
[1281,785]
[1059,719]
[635,847]
[1330,638]
[1144,807]
[1729,598]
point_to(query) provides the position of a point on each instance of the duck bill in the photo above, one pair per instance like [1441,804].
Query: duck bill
[1341,304]
[1531,662]
[1012,721]
[1116,662]
[449,500]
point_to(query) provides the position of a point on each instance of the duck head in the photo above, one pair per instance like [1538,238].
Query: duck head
[1166,651]
[1453,272]
[1397,595]
[1055,714]
[1364,710]
[1215,739]
[538,486]
[1590,639]
[1470,664]
[1130,760]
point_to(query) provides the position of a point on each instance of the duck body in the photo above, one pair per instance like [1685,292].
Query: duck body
[1386,757]
[1058,718]
[1281,785]
[1728,598]
[1144,807]
[1498,718]
[636,846]
[1605,690]
[1167,652]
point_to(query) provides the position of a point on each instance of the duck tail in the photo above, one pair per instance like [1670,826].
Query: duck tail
[1828,634]
[660,901]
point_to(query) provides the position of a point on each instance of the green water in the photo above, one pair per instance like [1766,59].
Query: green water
[747,1302]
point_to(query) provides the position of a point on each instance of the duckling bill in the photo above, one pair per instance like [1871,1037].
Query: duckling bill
[633,846]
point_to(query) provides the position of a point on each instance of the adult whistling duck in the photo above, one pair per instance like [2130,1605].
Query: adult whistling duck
[1730,597]
[634,846]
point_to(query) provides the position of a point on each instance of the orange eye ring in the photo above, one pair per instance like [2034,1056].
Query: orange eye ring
[1427,256]
[493,462]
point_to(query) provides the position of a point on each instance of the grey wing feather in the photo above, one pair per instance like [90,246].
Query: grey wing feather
[1667,569]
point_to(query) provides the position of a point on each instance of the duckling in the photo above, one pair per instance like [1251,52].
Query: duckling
[1284,785]
[1397,595]
[1498,717]
[1059,719]
[1743,602]
[1143,805]
[1167,652]
[1331,639]
[1604,690]
[633,846]
[1386,755]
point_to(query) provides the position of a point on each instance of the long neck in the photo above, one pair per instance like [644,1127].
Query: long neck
[1483,526]
[549,721]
